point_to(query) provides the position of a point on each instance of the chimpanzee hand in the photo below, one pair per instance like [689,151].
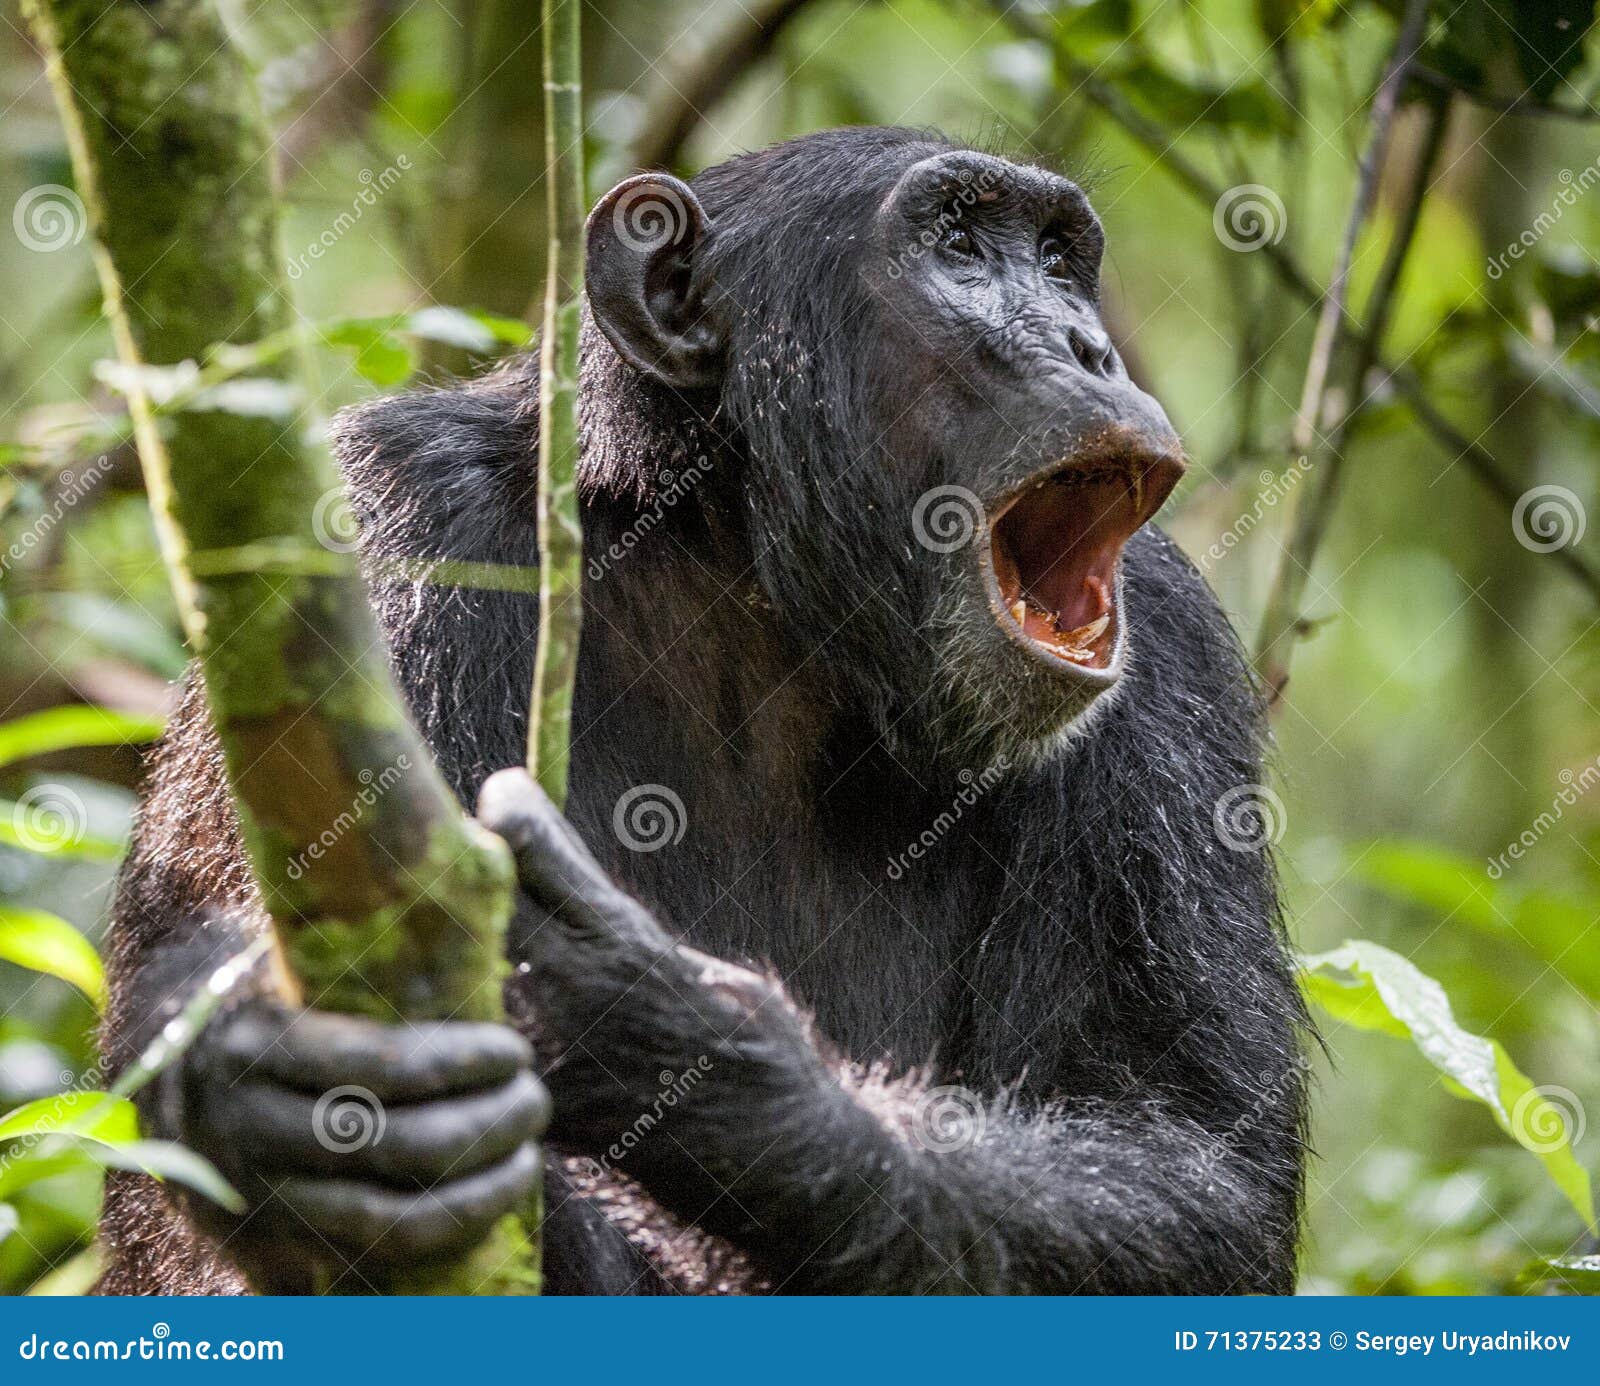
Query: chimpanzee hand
[625,1020]
[359,1146]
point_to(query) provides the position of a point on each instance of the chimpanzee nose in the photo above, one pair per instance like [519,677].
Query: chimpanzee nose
[1092,348]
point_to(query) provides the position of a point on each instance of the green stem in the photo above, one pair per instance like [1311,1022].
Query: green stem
[560,538]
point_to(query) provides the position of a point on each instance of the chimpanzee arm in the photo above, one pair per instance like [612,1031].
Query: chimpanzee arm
[705,1083]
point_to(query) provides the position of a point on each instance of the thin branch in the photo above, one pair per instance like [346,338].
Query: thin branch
[560,538]
[1281,620]
[1330,323]
[696,84]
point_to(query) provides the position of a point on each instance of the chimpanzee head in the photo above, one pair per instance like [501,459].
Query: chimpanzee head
[940,456]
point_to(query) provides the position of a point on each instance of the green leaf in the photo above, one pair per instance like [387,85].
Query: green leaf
[382,357]
[511,331]
[1459,890]
[38,940]
[1560,933]
[52,839]
[1366,985]
[1453,887]
[1572,1275]
[1508,49]
[52,1156]
[164,1160]
[101,1116]
[71,1278]
[119,628]
[1279,18]
[452,327]
[67,728]
[386,361]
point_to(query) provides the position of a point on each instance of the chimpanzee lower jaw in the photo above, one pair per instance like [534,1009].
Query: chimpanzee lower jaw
[1038,628]
[1052,561]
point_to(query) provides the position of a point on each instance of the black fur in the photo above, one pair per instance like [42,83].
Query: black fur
[1076,946]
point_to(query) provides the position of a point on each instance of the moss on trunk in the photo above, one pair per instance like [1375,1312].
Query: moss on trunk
[388,901]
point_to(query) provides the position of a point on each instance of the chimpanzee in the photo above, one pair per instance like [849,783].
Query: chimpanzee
[894,938]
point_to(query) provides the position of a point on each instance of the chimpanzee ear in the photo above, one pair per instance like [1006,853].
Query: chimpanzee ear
[642,239]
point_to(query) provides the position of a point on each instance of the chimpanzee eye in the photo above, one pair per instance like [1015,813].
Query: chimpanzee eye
[952,236]
[1053,260]
[958,240]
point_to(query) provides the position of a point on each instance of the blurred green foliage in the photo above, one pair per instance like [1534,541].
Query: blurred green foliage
[1439,764]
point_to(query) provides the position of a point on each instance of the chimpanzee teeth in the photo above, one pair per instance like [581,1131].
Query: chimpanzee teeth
[1084,636]
[1019,609]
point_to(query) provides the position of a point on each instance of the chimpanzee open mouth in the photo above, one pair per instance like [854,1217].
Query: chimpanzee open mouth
[1056,546]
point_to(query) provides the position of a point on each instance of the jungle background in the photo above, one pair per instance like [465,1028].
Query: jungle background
[1402,501]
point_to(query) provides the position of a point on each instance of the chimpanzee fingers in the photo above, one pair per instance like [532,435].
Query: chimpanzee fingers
[347,1131]
[314,1051]
[389,1225]
[556,870]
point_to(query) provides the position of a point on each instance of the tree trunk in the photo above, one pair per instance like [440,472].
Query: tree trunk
[401,913]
